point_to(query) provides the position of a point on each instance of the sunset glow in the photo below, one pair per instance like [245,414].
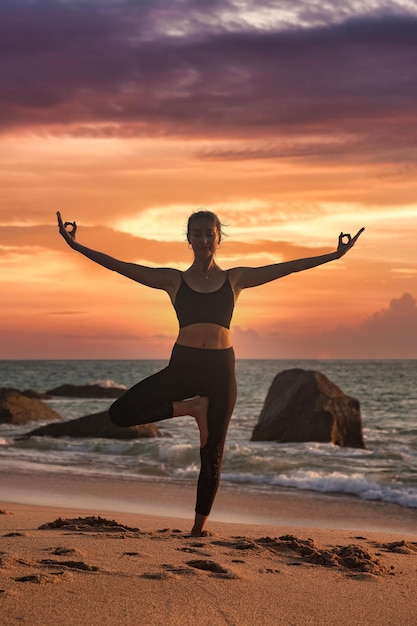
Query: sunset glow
[292,124]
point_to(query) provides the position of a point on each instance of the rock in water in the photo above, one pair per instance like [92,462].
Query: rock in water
[18,409]
[86,391]
[304,405]
[95,425]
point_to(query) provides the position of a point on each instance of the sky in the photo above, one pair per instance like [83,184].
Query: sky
[293,120]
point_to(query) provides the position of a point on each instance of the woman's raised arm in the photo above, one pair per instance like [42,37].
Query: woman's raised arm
[158,278]
[254,276]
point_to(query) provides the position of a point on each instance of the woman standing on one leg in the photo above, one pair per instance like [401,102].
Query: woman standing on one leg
[200,378]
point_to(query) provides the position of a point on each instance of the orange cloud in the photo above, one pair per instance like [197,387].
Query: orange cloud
[389,333]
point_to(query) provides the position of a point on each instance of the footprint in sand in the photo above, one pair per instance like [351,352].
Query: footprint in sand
[239,543]
[168,571]
[61,551]
[211,566]
[167,531]
[78,565]
[177,569]
[157,575]
[41,579]
[194,551]
[269,570]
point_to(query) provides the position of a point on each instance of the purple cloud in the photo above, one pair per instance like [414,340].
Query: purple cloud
[389,333]
[136,68]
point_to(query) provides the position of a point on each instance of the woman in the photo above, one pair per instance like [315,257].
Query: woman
[199,380]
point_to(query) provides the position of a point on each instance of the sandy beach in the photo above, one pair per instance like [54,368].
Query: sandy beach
[118,555]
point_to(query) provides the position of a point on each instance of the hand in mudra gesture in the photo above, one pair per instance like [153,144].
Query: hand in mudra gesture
[67,229]
[344,246]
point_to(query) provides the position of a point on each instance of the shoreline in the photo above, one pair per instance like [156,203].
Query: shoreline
[175,499]
[72,554]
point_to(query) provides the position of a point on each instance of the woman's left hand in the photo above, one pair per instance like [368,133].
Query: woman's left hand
[344,246]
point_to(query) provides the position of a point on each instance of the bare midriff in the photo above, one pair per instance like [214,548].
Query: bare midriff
[210,336]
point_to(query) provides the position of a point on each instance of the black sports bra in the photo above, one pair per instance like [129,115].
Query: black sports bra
[213,307]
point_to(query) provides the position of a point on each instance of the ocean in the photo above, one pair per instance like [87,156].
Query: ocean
[386,470]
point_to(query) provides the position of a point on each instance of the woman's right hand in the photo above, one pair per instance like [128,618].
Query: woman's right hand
[68,235]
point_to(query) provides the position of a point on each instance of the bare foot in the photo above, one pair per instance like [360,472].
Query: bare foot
[200,416]
[197,407]
[199,523]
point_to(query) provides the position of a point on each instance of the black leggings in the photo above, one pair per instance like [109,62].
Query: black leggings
[190,372]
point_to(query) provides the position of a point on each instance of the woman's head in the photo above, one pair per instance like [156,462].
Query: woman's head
[203,220]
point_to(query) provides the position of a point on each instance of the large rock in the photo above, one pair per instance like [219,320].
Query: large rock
[304,405]
[16,408]
[95,425]
[86,391]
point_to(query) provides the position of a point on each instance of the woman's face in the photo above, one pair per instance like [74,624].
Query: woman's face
[203,236]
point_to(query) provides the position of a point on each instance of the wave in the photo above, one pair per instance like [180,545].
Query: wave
[336,482]
[108,383]
[178,453]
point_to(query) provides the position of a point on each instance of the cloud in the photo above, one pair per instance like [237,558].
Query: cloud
[64,313]
[389,333]
[401,311]
[27,240]
[134,69]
